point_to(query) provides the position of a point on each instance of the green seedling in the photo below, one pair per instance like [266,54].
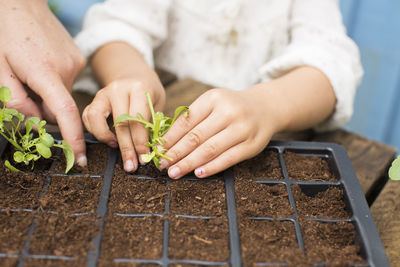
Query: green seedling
[28,149]
[157,128]
[394,170]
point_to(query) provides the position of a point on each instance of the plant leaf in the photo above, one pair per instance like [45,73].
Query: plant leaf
[124,117]
[10,167]
[47,140]
[394,170]
[69,155]
[147,157]
[5,94]
[43,150]
[30,122]
[18,157]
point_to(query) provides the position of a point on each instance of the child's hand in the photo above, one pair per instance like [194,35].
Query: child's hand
[223,128]
[124,96]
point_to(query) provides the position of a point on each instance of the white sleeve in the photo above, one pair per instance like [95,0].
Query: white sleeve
[318,39]
[140,23]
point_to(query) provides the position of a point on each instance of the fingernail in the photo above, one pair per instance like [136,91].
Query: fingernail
[112,144]
[141,160]
[129,167]
[199,172]
[174,172]
[81,160]
[163,164]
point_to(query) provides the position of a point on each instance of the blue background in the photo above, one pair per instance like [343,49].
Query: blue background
[375,27]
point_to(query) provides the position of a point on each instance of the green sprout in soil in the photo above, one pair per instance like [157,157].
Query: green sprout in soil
[394,170]
[157,128]
[27,148]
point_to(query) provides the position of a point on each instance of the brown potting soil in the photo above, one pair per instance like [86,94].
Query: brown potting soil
[330,242]
[63,235]
[97,157]
[264,166]
[262,200]
[19,190]
[328,203]
[141,237]
[71,194]
[133,195]
[201,198]
[199,239]
[131,237]
[308,168]
[14,227]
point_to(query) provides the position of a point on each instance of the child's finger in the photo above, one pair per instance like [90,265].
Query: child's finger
[225,160]
[139,134]
[95,117]
[194,138]
[120,105]
[207,151]
[198,111]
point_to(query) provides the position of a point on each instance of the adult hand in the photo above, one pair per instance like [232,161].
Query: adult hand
[39,63]
[223,128]
[126,95]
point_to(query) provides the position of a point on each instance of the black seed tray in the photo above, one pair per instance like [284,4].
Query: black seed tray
[366,237]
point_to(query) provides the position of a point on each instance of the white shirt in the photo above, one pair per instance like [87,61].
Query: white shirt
[231,43]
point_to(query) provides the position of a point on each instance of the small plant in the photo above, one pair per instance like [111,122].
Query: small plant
[394,170]
[28,149]
[159,126]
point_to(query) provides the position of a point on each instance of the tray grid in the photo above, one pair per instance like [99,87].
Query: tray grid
[231,212]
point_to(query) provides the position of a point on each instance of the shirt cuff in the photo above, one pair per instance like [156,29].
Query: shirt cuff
[95,36]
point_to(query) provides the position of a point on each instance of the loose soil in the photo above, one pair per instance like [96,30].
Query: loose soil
[262,200]
[71,194]
[264,166]
[132,195]
[14,227]
[268,241]
[204,197]
[308,168]
[97,155]
[53,263]
[330,242]
[131,237]
[202,239]
[319,203]
[63,235]
[19,190]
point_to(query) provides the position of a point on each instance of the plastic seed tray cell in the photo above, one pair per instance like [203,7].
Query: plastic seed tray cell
[295,203]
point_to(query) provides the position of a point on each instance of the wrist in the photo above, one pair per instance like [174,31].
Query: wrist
[271,105]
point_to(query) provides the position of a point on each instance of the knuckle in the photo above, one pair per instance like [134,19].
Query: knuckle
[122,125]
[194,138]
[210,150]
[214,95]
[174,154]
[90,112]
[125,149]
[69,106]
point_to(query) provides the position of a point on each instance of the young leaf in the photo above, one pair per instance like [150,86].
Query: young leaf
[5,94]
[69,155]
[30,122]
[47,140]
[43,150]
[18,156]
[10,167]
[147,157]
[394,170]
